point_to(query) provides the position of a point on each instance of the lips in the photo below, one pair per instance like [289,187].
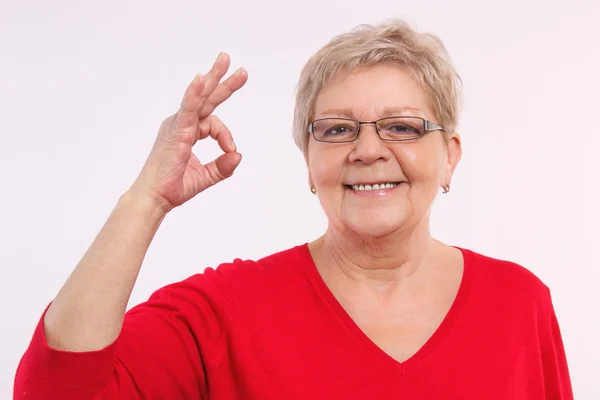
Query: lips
[373,186]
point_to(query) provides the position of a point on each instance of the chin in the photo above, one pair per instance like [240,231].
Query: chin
[374,225]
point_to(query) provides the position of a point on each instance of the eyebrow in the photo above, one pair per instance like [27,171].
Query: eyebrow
[385,112]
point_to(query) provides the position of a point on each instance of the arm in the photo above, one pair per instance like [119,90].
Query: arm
[163,350]
[87,313]
[80,332]
[554,360]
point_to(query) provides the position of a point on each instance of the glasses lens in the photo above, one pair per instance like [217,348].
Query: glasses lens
[335,130]
[401,128]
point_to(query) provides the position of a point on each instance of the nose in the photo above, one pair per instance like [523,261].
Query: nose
[369,147]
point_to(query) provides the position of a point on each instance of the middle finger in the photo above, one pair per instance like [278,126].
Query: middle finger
[223,91]
[214,76]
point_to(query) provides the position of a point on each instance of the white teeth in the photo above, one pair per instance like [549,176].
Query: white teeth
[376,186]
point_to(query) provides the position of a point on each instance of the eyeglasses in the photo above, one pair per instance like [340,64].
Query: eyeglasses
[392,129]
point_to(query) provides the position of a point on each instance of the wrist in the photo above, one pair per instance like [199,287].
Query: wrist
[150,208]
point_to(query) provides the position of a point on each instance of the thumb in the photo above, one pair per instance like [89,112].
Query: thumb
[223,166]
[227,163]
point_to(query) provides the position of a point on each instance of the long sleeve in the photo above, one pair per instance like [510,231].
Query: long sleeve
[556,371]
[165,346]
[272,329]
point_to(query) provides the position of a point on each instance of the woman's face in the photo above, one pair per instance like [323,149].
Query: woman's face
[420,166]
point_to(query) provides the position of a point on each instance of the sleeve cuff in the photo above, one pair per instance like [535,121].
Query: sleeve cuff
[64,371]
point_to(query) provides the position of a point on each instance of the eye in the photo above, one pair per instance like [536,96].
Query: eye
[400,127]
[339,130]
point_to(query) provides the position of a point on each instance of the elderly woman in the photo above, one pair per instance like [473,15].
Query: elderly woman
[375,308]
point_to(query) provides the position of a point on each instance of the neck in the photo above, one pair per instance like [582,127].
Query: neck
[386,259]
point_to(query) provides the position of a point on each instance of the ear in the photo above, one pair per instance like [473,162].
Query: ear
[454,154]
[309,175]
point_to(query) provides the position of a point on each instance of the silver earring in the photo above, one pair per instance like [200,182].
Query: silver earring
[446,188]
[313,190]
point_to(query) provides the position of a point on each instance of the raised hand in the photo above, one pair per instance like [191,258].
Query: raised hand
[172,173]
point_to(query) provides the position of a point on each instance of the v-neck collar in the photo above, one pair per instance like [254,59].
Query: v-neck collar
[440,333]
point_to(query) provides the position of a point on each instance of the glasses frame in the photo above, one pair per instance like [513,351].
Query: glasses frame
[428,126]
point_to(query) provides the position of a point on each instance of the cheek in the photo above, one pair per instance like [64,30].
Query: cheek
[421,163]
[325,166]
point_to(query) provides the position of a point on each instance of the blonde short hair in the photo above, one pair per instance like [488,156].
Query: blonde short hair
[393,41]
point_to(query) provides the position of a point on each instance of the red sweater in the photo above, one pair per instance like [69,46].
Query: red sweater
[271,329]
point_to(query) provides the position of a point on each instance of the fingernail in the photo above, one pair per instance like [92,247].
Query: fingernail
[221,56]
[233,146]
[197,78]
[240,71]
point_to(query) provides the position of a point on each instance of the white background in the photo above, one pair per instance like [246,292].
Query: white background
[84,87]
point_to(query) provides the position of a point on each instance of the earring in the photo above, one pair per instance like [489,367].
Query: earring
[446,188]
[313,190]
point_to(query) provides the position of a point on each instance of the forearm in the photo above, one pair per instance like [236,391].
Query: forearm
[87,314]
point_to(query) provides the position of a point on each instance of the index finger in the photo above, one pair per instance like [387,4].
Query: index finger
[215,128]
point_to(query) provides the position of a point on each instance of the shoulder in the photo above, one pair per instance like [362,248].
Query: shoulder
[282,262]
[277,271]
[505,279]
[218,285]
[504,272]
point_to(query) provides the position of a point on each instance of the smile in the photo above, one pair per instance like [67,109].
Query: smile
[376,186]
